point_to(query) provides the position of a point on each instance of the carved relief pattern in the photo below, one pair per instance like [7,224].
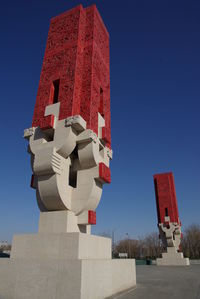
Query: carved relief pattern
[77,53]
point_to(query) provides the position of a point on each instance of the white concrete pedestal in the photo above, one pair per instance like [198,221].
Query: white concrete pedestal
[60,265]
[172,258]
[64,279]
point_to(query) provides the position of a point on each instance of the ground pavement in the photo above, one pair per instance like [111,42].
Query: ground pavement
[165,283]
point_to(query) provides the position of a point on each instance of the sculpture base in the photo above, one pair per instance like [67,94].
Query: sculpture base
[172,258]
[63,265]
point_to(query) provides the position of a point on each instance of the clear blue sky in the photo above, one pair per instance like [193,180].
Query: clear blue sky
[155,109]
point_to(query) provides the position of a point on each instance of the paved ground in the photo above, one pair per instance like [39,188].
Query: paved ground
[165,283]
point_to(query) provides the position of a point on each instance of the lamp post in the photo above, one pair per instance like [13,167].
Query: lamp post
[113,241]
[128,245]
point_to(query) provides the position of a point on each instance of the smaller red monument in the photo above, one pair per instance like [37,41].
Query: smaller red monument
[166,197]
[168,220]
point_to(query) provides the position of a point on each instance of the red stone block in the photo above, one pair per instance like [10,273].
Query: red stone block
[105,135]
[166,197]
[47,122]
[91,217]
[104,173]
[76,60]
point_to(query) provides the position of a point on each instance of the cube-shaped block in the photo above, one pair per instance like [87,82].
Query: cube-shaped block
[104,173]
[91,217]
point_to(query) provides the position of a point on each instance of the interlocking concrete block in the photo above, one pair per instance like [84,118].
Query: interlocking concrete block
[70,169]
[77,122]
[58,222]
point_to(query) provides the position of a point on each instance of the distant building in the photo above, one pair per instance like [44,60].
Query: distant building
[3,244]
[123,255]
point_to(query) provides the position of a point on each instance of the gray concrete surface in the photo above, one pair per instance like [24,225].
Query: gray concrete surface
[165,283]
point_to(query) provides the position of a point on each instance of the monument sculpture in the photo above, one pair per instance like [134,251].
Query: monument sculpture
[70,147]
[70,141]
[169,224]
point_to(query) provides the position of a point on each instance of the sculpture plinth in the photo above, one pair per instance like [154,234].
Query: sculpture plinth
[59,263]
[169,224]
[70,148]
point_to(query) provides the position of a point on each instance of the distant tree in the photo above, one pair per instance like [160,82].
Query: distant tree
[5,248]
[190,244]
[151,245]
[129,246]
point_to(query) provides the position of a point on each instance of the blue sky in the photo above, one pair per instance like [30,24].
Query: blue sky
[155,108]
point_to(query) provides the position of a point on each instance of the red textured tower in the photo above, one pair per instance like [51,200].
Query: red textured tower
[75,70]
[166,197]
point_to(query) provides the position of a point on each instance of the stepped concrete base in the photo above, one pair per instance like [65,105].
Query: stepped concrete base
[64,279]
[63,266]
[172,258]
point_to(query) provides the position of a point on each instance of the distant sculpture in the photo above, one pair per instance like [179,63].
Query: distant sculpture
[168,220]
[70,140]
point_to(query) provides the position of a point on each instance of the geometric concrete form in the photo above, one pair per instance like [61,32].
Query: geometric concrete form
[61,246]
[70,137]
[58,222]
[172,258]
[59,265]
[168,220]
[63,222]
[64,279]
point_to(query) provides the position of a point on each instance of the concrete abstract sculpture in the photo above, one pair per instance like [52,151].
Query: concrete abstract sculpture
[168,220]
[69,141]
[70,148]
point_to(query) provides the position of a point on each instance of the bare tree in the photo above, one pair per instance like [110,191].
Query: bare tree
[149,246]
[129,246]
[152,246]
[5,248]
[191,242]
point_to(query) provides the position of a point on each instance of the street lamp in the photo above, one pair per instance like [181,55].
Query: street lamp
[113,241]
[129,255]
